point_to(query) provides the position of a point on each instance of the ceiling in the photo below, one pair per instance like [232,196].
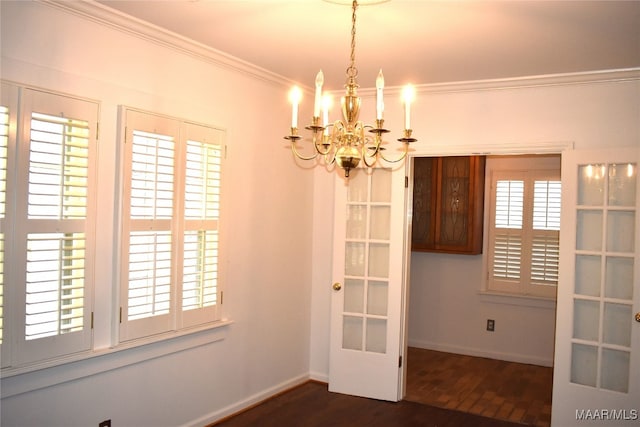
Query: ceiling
[413,41]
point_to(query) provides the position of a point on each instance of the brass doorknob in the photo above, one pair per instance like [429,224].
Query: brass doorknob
[337,286]
[638,316]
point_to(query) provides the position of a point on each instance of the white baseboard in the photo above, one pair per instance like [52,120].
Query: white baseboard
[467,351]
[319,376]
[248,402]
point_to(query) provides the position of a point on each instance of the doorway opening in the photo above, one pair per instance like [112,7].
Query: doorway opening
[454,359]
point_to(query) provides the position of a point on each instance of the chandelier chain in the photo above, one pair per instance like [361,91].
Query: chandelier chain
[352,71]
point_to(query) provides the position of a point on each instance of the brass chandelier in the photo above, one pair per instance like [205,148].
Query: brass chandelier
[344,141]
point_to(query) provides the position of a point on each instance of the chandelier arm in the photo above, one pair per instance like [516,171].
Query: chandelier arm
[364,158]
[406,151]
[300,156]
[333,158]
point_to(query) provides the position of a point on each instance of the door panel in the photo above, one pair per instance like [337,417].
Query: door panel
[597,337]
[366,296]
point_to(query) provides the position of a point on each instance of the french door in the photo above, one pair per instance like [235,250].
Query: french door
[597,354]
[366,302]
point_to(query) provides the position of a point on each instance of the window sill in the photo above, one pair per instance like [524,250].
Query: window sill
[520,300]
[29,378]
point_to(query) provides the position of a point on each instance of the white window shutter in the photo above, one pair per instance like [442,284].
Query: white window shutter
[171,209]
[54,250]
[524,233]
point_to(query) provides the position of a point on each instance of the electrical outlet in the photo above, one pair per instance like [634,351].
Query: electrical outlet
[105,423]
[491,325]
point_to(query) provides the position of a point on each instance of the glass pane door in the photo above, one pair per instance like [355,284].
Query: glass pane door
[366,299]
[596,363]
[366,267]
[603,296]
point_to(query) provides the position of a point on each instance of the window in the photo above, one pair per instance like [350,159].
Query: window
[524,226]
[47,211]
[171,210]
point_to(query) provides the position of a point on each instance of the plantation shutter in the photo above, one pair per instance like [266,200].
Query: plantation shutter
[171,212]
[148,210]
[507,241]
[54,224]
[545,252]
[524,233]
[201,224]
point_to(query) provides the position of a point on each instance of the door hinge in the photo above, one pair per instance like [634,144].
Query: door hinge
[400,362]
[92,320]
[406,182]
[98,131]
[120,314]
[221,297]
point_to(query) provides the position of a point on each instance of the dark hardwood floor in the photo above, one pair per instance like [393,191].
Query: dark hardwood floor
[509,391]
[312,405]
[443,390]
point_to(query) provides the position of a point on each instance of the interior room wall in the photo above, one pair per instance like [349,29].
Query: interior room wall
[266,228]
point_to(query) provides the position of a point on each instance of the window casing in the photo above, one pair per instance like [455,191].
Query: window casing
[523,238]
[170,225]
[49,146]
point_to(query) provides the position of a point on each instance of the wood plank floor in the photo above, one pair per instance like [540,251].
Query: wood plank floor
[312,405]
[503,390]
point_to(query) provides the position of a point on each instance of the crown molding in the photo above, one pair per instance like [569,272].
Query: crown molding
[117,20]
[587,77]
[103,15]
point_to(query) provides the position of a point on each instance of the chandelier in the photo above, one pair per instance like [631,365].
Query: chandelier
[344,141]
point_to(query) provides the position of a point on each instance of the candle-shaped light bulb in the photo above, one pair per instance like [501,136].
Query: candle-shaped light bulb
[294,96]
[407,95]
[379,101]
[318,101]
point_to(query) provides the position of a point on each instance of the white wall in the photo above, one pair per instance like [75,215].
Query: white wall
[266,237]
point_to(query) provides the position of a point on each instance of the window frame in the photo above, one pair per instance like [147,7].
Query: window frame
[538,171]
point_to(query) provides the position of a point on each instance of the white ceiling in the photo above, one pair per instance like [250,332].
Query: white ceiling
[413,41]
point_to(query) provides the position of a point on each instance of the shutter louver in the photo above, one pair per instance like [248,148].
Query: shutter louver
[152,175]
[507,253]
[547,199]
[545,258]
[202,189]
[58,168]
[509,204]
[202,209]
[149,274]
[199,288]
[54,284]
